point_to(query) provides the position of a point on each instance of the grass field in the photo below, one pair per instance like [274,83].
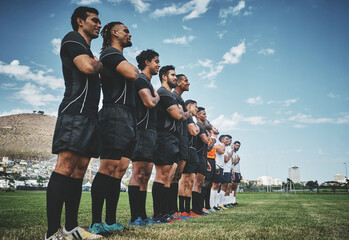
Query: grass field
[258,216]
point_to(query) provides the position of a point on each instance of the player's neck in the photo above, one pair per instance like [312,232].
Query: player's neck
[116,44]
[165,85]
[179,91]
[147,73]
[87,38]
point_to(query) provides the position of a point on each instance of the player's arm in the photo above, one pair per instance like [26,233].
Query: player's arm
[127,70]
[148,100]
[88,65]
[175,111]
[204,138]
[193,129]
[211,145]
[185,115]
[220,148]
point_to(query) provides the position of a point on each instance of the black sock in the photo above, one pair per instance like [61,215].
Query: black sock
[72,202]
[54,201]
[203,197]
[187,204]
[187,201]
[165,201]
[133,198]
[156,192]
[112,199]
[181,203]
[195,201]
[98,191]
[207,198]
[174,191]
[143,203]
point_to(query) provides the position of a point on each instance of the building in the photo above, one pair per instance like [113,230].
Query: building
[265,180]
[339,178]
[294,174]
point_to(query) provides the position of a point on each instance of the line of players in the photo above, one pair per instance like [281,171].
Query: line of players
[136,122]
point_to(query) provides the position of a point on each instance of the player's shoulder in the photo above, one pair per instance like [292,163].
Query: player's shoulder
[109,51]
[73,36]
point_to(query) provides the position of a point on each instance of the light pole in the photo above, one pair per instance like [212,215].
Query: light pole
[346,173]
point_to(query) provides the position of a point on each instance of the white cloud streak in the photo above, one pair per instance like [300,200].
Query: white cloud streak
[309,119]
[195,8]
[88,2]
[34,96]
[233,56]
[24,73]
[267,51]
[140,6]
[255,101]
[234,11]
[179,41]
[56,45]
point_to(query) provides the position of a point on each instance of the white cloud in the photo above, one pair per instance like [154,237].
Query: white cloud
[285,103]
[235,54]
[303,118]
[8,85]
[195,8]
[232,123]
[332,95]
[214,70]
[56,44]
[52,15]
[134,25]
[234,11]
[140,6]
[231,57]
[267,51]
[179,41]
[88,2]
[15,111]
[132,52]
[255,101]
[115,1]
[24,73]
[34,96]
[186,28]
[220,34]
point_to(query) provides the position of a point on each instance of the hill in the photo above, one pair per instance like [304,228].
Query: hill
[26,136]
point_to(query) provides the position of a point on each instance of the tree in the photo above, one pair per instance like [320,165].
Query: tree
[333,185]
[311,185]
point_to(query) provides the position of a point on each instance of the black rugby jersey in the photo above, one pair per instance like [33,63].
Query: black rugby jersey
[192,139]
[82,92]
[164,119]
[116,88]
[146,117]
[183,127]
[201,146]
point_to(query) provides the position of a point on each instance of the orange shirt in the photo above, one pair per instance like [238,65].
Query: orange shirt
[212,153]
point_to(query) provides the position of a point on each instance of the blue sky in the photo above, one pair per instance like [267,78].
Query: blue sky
[273,74]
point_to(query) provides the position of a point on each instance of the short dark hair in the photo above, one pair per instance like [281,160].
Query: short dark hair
[221,136]
[201,109]
[81,12]
[179,77]
[189,101]
[164,70]
[237,142]
[228,136]
[148,54]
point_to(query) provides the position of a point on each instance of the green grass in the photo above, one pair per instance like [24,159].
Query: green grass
[258,216]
